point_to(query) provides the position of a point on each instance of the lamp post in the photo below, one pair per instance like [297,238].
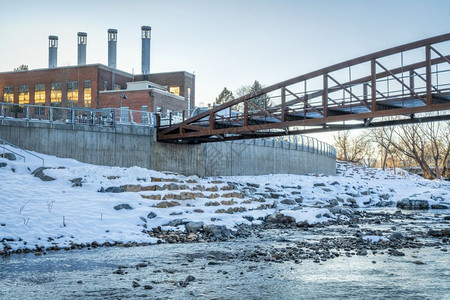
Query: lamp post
[122,97]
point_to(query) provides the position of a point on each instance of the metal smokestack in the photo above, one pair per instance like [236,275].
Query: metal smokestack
[52,51]
[146,36]
[112,48]
[82,41]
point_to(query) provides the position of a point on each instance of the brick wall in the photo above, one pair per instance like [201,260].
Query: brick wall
[137,99]
[62,75]
[182,79]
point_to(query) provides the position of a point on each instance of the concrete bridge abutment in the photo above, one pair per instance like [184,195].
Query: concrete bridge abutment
[128,146]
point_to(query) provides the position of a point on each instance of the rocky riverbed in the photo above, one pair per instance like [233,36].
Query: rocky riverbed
[375,254]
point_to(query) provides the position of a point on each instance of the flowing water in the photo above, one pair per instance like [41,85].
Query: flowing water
[88,274]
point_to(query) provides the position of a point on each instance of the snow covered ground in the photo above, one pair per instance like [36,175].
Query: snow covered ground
[86,203]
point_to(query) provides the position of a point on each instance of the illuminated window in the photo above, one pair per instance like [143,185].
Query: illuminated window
[117,87]
[8,94]
[175,90]
[87,93]
[72,91]
[56,92]
[24,94]
[39,93]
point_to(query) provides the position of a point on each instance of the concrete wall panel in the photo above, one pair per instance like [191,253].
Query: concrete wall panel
[137,147]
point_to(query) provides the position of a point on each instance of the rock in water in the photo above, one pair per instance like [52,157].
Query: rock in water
[413,204]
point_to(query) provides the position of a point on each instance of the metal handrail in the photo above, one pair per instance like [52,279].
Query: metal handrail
[23,150]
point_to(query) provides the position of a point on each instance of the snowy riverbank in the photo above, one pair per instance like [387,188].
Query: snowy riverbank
[73,203]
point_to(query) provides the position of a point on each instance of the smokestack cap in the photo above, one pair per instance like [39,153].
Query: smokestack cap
[52,37]
[82,34]
[112,30]
[146,28]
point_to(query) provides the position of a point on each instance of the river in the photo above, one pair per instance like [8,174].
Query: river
[212,271]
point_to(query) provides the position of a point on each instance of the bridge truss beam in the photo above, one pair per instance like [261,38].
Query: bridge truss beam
[411,93]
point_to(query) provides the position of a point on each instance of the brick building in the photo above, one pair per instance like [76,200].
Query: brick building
[100,86]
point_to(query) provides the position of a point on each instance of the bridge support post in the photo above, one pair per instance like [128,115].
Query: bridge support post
[283,104]
[373,83]
[246,113]
[428,72]
[325,95]
[411,81]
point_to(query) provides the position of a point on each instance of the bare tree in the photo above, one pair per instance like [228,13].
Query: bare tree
[428,145]
[383,138]
[351,149]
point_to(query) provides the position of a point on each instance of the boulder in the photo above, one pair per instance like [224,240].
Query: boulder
[123,206]
[288,202]
[439,206]
[76,182]
[39,173]
[277,217]
[413,204]
[115,189]
[177,222]
[8,156]
[219,232]
[151,215]
[194,227]
[3,165]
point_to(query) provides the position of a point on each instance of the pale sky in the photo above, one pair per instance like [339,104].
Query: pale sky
[225,43]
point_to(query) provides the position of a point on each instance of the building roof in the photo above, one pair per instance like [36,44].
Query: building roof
[100,66]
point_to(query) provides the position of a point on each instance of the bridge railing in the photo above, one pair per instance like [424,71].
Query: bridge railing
[402,81]
[295,142]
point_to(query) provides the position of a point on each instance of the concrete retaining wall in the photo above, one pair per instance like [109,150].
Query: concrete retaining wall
[136,146]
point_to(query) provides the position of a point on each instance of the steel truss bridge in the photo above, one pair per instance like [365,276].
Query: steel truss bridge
[400,85]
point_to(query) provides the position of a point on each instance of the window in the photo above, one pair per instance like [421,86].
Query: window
[159,109]
[87,93]
[105,85]
[39,93]
[24,94]
[72,91]
[8,94]
[56,92]
[175,90]
[117,87]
